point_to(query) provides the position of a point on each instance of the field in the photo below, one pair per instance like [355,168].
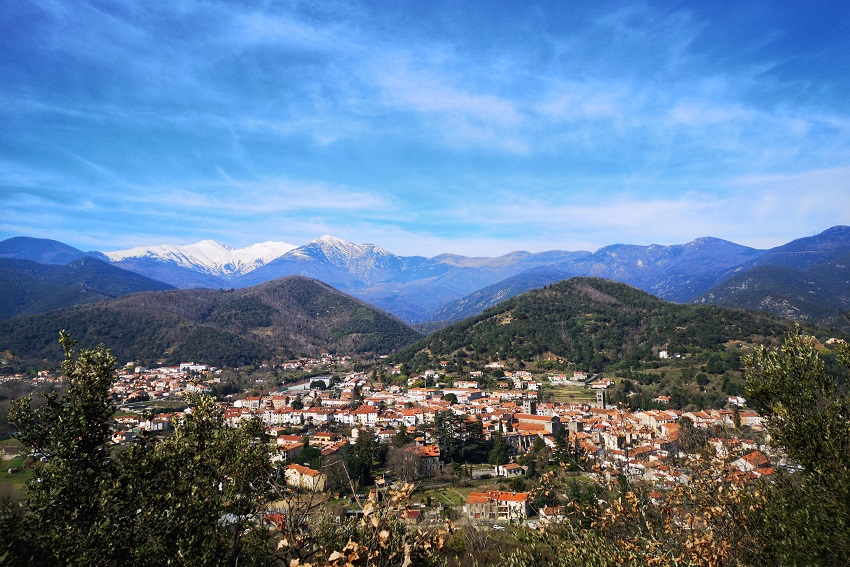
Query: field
[13,485]
[451,491]
[569,394]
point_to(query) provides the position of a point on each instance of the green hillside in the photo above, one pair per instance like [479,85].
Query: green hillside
[592,323]
[29,287]
[275,320]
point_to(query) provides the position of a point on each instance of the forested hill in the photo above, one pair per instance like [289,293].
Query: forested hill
[596,324]
[289,316]
[29,287]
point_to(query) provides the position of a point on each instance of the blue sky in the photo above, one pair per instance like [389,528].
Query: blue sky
[424,127]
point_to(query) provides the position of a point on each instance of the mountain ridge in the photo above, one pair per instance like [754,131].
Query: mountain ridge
[207,256]
[30,287]
[593,323]
[41,250]
[225,327]
[434,291]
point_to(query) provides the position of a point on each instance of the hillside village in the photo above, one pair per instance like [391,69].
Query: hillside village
[325,416]
[500,451]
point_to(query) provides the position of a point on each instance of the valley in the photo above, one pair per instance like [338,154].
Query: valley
[528,416]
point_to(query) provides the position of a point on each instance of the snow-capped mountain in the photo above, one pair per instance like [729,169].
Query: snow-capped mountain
[207,256]
[335,261]
[361,260]
[444,287]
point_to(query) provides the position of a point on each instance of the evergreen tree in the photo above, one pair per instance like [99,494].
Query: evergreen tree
[365,452]
[69,434]
[499,453]
[195,498]
[806,519]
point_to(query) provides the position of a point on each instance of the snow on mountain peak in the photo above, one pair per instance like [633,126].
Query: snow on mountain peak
[338,248]
[208,256]
[366,261]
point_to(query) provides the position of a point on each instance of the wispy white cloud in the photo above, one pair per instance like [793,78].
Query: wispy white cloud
[285,29]
[629,122]
[272,196]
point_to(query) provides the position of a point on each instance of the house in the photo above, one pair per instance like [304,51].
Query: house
[751,462]
[422,394]
[552,515]
[159,423]
[429,460]
[288,450]
[509,470]
[464,395]
[305,477]
[251,402]
[411,516]
[416,461]
[497,505]
[750,418]
[366,415]
[122,437]
[412,417]
[557,378]
[545,423]
[324,438]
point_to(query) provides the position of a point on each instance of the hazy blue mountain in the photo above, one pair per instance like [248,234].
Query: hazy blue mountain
[410,287]
[41,250]
[806,279]
[818,294]
[29,287]
[808,252]
[675,273]
[172,274]
[417,293]
[447,287]
[489,296]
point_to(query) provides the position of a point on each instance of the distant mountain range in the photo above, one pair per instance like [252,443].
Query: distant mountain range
[808,279]
[39,250]
[433,292]
[205,257]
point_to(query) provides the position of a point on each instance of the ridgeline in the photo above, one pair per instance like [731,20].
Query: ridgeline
[291,316]
[593,323]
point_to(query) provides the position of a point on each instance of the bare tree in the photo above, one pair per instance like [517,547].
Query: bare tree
[404,462]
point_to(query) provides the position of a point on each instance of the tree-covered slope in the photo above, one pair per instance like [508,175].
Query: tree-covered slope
[290,316]
[489,296]
[593,323]
[29,287]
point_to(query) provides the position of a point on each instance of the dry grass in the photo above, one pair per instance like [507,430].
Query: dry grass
[570,394]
